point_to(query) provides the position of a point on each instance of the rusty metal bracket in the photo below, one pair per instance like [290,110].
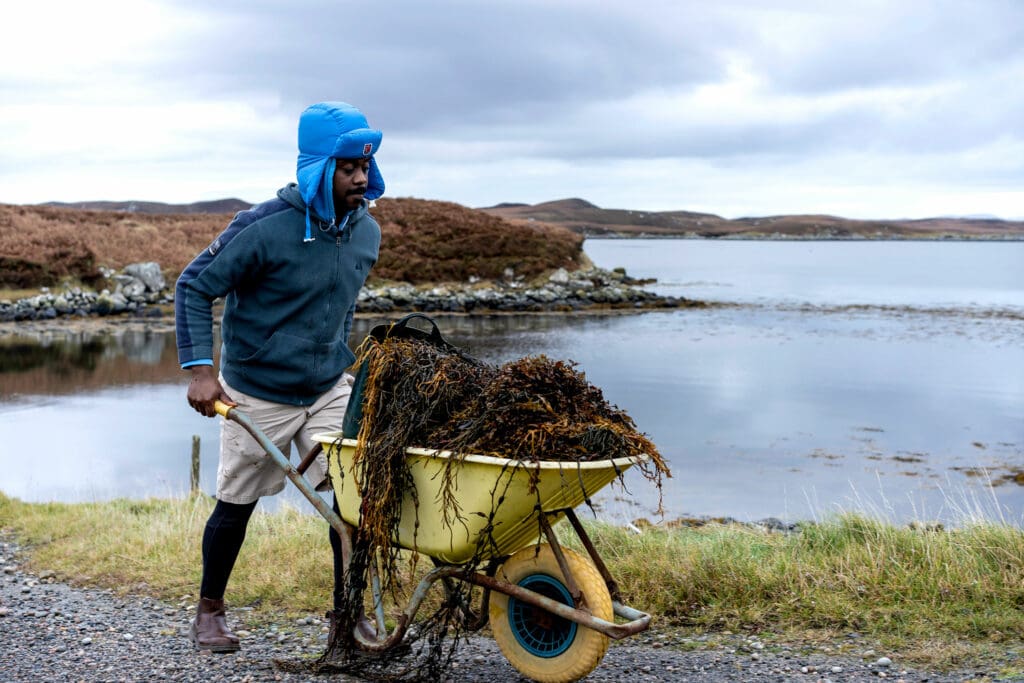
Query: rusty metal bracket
[316,450]
[579,600]
[613,586]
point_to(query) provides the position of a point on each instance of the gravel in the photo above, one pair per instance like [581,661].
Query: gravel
[50,631]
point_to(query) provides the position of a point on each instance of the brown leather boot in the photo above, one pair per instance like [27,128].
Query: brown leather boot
[209,630]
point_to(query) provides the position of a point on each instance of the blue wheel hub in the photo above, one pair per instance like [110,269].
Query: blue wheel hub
[539,632]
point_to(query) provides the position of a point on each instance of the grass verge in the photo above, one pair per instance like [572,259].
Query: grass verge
[943,598]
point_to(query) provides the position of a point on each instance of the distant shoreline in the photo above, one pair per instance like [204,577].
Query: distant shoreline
[799,238]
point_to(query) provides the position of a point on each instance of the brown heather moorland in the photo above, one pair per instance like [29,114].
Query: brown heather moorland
[423,241]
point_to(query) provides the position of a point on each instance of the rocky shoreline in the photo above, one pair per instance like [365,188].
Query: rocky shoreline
[141,291]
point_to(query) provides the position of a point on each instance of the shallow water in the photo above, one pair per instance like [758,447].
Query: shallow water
[903,400]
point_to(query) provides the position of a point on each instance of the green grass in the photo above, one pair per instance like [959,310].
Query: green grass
[939,596]
[153,546]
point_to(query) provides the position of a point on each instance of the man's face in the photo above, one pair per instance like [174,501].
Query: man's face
[350,182]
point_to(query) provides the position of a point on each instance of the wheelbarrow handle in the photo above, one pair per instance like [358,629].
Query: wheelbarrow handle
[222,408]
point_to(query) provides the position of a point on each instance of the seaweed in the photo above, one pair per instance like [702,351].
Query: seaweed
[419,393]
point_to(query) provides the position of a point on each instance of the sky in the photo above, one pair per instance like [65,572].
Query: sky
[861,108]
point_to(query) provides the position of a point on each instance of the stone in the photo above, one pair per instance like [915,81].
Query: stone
[148,273]
[560,276]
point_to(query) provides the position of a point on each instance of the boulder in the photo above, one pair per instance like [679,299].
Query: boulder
[148,273]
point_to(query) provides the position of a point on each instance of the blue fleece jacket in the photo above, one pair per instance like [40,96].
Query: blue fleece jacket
[288,303]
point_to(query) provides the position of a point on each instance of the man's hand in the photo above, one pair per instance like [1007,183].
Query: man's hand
[204,390]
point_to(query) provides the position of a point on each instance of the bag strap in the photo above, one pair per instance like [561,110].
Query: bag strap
[403,330]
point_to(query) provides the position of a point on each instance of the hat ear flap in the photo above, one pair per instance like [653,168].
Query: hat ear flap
[324,203]
[309,174]
[374,181]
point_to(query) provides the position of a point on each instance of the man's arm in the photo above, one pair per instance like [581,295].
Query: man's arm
[193,313]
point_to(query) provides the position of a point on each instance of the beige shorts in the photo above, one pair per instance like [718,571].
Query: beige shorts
[246,472]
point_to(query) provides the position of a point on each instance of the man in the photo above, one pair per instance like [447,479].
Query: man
[289,270]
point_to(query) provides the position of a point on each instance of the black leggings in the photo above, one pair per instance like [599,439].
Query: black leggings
[339,566]
[223,537]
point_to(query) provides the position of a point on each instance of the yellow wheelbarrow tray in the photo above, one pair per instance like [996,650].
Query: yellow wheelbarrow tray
[527,578]
[478,482]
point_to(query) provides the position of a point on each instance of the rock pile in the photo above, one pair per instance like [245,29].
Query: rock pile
[562,292]
[140,286]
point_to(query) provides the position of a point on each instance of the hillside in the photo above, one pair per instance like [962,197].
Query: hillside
[213,206]
[423,241]
[585,218]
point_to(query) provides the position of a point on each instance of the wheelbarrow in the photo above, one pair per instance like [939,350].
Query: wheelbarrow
[552,610]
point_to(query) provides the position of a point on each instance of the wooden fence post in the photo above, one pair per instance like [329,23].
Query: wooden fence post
[195,464]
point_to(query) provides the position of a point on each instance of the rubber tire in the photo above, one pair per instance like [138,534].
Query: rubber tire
[588,646]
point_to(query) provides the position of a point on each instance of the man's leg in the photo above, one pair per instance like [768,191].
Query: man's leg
[364,625]
[222,539]
[340,561]
[327,415]
[244,474]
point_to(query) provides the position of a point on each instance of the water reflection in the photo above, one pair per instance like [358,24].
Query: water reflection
[21,354]
[57,363]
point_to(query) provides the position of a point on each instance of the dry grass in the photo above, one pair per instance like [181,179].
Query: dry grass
[424,241]
[429,241]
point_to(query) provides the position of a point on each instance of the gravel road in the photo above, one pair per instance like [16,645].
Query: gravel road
[50,631]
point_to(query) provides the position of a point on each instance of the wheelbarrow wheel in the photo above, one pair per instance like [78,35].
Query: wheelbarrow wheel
[538,644]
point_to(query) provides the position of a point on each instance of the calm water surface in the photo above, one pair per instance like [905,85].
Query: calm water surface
[886,377]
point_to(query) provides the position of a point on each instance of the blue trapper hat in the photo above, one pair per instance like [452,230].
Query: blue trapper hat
[329,131]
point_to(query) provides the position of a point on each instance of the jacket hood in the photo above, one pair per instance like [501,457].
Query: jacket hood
[329,131]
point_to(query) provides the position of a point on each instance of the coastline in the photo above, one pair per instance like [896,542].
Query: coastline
[746,237]
[149,304]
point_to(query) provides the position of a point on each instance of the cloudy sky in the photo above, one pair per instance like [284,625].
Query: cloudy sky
[860,108]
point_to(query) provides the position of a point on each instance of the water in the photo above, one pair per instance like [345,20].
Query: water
[921,274]
[881,377]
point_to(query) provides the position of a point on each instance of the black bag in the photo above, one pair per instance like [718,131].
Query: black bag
[402,330]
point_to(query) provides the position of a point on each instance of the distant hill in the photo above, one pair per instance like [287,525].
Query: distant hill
[213,206]
[586,218]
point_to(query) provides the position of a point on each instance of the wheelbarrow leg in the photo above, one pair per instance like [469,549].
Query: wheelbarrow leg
[378,599]
[578,598]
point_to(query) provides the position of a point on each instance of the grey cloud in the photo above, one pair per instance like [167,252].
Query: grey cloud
[420,65]
[525,72]
[910,43]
